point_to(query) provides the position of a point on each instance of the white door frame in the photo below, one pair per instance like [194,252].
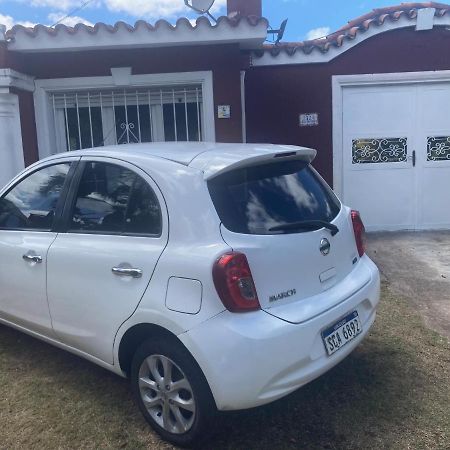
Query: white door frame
[45,125]
[340,82]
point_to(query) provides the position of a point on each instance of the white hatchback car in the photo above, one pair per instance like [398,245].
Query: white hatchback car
[215,276]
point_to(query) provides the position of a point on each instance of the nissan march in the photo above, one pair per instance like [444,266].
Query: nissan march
[215,276]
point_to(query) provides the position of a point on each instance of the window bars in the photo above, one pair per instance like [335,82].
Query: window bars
[85,119]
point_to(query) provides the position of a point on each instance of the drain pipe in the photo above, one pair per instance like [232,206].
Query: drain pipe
[243,106]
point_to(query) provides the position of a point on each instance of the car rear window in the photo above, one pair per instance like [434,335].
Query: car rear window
[255,199]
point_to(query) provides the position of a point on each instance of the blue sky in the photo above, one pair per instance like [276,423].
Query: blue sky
[307,18]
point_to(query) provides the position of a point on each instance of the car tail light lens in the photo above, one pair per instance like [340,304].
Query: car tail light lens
[360,232]
[234,283]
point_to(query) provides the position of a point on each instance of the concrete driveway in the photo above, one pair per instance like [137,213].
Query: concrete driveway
[417,266]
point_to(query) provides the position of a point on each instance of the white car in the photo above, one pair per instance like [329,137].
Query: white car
[214,276]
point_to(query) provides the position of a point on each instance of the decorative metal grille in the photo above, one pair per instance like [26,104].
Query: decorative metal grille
[86,119]
[438,148]
[379,150]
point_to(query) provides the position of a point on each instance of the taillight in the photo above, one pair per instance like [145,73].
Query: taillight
[360,232]
[234,283]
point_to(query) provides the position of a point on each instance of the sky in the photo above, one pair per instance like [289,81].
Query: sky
[308,19]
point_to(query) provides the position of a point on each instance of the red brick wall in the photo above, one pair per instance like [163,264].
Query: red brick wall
[275,96]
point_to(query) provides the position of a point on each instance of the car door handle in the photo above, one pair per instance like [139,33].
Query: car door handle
[32,258]
[124,272]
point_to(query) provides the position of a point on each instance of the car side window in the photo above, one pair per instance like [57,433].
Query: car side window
[144,213]
[31,204]
[114,200]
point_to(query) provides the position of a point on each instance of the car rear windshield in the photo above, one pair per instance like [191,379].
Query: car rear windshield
[256,199]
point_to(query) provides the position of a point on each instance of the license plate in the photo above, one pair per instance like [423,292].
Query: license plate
[342,332]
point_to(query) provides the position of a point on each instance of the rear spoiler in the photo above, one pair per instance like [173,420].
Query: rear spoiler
[218,162]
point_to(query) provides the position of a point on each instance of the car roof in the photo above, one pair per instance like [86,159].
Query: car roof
[178,152]
[211,158]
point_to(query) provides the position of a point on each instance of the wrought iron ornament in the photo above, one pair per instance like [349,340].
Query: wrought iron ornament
[127,132]
[438,148]
[379,150]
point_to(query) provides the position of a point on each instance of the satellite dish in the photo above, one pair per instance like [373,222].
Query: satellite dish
[203,5]
[200,6]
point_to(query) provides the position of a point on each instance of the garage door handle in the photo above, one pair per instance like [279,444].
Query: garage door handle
[122,272]
[414,158]
[32,258]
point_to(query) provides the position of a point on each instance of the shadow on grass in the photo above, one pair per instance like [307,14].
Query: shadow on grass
[361,400]
[58,400]
[371,394]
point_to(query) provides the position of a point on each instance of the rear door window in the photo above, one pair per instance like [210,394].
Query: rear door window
[255,199]
[112,199]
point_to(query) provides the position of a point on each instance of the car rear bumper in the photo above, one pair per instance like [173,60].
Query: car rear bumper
[255,358]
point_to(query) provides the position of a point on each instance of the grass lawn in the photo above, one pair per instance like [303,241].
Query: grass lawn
[392,392]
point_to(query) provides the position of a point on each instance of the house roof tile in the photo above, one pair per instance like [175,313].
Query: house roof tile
[248,32]
[140,24]
[376,18]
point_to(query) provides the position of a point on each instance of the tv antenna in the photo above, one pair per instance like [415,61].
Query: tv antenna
[204,6]
[279,33]
[201,7]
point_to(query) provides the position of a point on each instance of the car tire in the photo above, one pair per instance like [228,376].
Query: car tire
[172,392]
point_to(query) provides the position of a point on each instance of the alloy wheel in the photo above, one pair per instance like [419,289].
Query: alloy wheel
[167,394]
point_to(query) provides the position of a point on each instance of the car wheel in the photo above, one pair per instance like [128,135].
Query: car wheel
[172,392]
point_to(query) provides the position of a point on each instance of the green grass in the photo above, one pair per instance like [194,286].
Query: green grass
[392,392]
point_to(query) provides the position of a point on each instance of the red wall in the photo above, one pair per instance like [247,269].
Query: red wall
[28,126]
[275,96]
[225,61]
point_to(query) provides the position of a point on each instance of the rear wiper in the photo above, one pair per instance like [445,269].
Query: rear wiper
[307,225]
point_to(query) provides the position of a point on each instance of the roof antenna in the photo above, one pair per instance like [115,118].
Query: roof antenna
[201,7]
[279,33]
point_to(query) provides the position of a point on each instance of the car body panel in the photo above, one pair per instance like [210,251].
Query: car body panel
[287,268]
[23,297]
[263,358]
[87,301]
[191,252]
[208,157]
[227,158]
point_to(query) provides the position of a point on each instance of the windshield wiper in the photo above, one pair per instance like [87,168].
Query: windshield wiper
[307,225]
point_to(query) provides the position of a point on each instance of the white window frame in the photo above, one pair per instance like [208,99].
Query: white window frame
[45,123]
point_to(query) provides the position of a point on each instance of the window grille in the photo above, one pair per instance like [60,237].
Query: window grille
[379,150]
[85,119]
[438,148]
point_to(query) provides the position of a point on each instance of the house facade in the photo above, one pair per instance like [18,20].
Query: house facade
[372,98]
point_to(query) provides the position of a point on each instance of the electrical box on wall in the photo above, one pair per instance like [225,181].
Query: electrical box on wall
[224,111]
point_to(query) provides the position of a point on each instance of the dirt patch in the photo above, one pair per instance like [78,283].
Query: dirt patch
[417,266]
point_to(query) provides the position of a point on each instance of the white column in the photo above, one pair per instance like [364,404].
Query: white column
[11,149]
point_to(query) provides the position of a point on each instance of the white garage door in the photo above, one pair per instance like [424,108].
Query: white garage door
[396,161]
